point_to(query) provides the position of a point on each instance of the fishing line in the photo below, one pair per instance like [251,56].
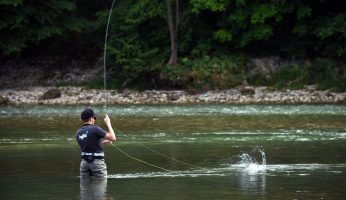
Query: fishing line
[163,155]
[139,160]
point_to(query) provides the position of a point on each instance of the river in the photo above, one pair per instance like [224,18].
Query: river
[207,151]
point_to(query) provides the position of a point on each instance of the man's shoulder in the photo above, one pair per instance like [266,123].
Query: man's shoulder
[89,128]
[96,128]
[93,129]
[99,131]
[79,130]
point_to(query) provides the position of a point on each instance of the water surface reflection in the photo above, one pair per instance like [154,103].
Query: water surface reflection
[93,188]
[253,184]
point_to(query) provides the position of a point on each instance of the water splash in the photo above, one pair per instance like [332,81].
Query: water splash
[249,164]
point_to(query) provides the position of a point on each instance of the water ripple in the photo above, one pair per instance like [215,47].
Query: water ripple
[177,110]
[247,170]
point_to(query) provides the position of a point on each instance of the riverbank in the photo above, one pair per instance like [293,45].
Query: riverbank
[240,95]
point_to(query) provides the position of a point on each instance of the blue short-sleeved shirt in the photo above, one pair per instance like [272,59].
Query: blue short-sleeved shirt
[89,138]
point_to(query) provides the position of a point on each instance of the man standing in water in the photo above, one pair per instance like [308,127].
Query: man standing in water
[90,138]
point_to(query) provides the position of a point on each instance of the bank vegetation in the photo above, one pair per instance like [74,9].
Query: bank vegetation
[193,45]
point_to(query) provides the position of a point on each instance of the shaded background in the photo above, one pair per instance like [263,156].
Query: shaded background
[218,44]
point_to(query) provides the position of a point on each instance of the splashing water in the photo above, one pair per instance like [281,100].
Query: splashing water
[249,164]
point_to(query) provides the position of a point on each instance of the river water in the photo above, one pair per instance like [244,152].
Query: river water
[232,152]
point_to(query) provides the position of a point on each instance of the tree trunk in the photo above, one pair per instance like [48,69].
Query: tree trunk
[173,30]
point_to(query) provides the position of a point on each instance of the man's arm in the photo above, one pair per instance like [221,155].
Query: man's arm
[106,142]
[110,136]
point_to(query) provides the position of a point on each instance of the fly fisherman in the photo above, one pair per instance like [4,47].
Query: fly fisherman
[90,139]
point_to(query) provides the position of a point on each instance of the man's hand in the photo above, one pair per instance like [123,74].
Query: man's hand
[107,120]
[110,134]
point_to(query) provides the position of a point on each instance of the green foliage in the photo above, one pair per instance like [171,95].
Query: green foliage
[98,84]
[207,72]
[259,32]
[303,12]
[333,31]
[290,76]
[263,12]
[326,74]
[131,47]
[223,35]
[210,33]
[284,28]
[335,25]
[27,23]
[11,2]
[213,5]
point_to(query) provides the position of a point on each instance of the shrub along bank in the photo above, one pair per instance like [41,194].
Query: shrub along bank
[219,73]
[193,76]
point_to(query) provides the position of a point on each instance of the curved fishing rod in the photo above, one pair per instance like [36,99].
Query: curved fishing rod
[105,53]
[105,89]
[105,106]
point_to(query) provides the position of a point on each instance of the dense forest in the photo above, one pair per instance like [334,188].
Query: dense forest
[191,44]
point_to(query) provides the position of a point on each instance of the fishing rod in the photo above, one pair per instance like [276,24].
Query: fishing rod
[105,89]
[105,54]
[105,107]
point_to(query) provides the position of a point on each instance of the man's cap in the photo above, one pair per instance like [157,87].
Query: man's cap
[87,113]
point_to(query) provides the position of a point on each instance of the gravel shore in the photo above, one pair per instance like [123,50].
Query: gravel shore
[242,95]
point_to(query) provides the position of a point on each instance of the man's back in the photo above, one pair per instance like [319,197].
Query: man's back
[89,138]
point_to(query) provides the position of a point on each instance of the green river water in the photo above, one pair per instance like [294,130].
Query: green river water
[245,151]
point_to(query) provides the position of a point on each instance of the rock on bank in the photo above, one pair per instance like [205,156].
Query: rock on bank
[241,95]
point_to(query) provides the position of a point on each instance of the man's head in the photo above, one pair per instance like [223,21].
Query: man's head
[88,115]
